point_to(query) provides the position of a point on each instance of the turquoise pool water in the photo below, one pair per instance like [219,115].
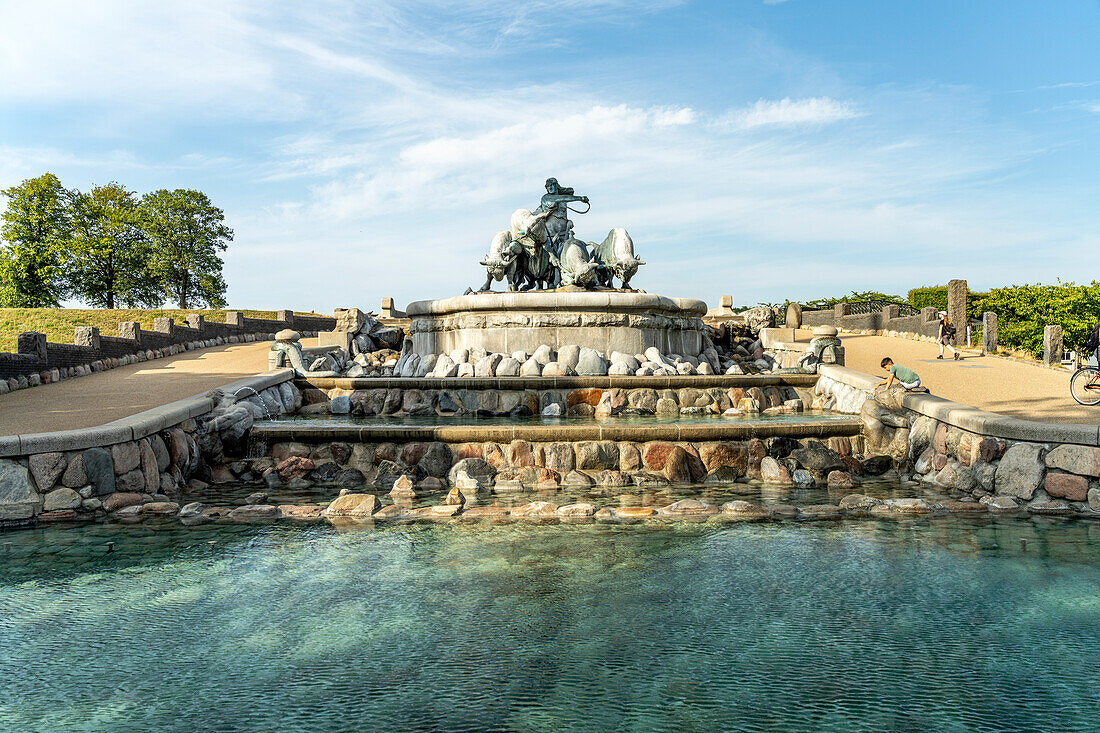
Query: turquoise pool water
[942,625]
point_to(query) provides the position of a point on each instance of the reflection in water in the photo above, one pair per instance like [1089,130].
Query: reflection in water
[472,419]
[943,624]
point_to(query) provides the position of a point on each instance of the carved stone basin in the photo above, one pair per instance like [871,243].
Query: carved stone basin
[605,320]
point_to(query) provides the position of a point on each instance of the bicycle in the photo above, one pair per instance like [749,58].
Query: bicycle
[1084,385]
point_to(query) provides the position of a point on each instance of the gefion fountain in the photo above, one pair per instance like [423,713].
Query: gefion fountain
[561,297]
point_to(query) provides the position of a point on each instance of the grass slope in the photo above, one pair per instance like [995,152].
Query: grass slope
[58,323]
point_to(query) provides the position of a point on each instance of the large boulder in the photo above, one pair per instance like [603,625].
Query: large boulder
[476,468]
[818,459]
[18,499]
[353,505]
[1077,459]
[1020,472]
[100,469]
[46,468]
[591,364]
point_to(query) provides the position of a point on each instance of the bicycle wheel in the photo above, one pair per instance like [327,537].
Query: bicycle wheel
[1084,385]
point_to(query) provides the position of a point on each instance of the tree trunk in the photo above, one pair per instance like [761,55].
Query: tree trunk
[183,290]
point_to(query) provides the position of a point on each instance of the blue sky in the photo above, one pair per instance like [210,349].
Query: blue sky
[768,150]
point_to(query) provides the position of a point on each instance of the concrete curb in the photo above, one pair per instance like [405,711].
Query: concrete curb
[972,419]
[135,426]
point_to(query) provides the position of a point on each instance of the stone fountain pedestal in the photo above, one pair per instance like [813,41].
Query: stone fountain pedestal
[606,321]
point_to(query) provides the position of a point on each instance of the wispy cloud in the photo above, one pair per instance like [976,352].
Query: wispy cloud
[788,112]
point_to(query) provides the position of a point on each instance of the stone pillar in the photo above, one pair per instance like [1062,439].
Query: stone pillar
[989,333]
[234,318]
[86,336]
[196,321]
[33,343]
[1052,345]
[725,304]
[839,310]
[956,305]
[130,330]
[889,312]
[794,315]
[163,325]
[286,316]
[929,314]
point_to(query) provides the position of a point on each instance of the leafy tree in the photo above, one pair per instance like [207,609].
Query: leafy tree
[854,297]
[111,253]
[35,230]
[186,232]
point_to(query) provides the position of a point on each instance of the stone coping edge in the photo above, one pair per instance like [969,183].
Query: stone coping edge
[973,419]
[132,427]
[554,433]
[518,383]
[598,300]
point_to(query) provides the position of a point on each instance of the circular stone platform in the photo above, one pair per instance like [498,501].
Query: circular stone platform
[602,320]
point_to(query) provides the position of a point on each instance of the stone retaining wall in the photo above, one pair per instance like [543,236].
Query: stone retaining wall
[38,361]
[140,461]
[519,464]
[1006,463]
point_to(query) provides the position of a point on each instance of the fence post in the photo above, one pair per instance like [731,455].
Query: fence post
[86,336]
[32,342]
[989,333]
[840,310]
[1052,345]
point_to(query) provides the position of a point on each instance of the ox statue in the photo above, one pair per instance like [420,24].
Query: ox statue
[576,265]
[615,257]
[503,262]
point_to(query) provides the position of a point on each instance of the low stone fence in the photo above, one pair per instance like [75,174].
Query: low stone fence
[136,464]
[1005,462]
[39,361]
[925,324]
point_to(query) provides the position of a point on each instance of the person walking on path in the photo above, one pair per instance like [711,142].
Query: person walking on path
[947,337]
[904,375]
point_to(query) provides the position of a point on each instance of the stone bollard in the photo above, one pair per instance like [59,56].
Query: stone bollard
[130,330]
[889,313]
[286,316]
[1052,345]
[163,325]
[33,343]
[793,317]
[234,318]
[840,310]
[196,321]
[989,333]
[86,336]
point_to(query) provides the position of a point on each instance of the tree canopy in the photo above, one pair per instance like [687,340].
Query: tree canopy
[187,232]
[110,260]
[109,248]
[36,230]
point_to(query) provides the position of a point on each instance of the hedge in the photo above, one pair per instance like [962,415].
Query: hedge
[934,296]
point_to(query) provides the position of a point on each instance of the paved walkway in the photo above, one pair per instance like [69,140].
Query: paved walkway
[989,383]
[99,398]
[997,385]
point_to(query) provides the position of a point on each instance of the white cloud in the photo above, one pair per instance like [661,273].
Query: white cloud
[788,112]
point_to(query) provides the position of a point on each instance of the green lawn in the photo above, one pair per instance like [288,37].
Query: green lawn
[58,323]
